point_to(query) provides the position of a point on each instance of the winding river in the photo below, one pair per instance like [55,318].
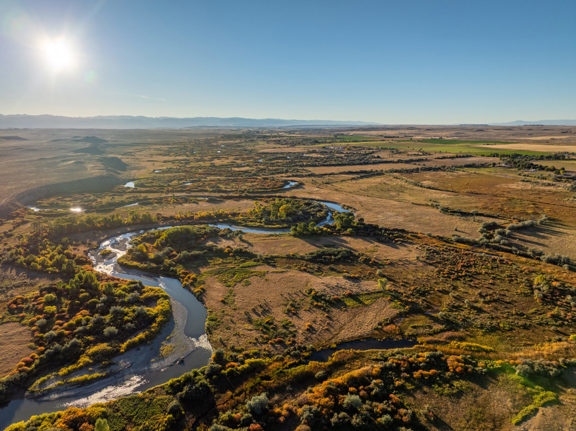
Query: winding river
[328,220]
[142,367]
[131,184]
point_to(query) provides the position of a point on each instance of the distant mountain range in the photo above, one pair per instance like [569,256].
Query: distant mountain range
[23,121]
[537,123]
[136,122]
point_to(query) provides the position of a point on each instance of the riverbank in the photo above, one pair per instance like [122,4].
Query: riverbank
[181,345]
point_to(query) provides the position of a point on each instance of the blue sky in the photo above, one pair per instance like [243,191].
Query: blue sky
[401,61]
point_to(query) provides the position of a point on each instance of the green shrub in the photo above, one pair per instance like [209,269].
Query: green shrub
[352,402]
[258,405]
[110,332]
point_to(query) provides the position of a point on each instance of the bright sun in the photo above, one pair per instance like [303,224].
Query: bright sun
[59,54]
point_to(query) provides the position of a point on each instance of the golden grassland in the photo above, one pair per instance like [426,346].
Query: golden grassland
[14,345]
[273,300]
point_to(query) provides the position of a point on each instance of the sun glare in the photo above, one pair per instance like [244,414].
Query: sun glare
[59,54]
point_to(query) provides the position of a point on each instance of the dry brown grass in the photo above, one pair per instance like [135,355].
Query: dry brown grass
[390,203]
[274,290]
[545,148]
[480,132]
[501,193]
[284,149]
[569,165]
[52,156]
[480,408]
[359,168]
[461,161]
[14,340]
[286,244]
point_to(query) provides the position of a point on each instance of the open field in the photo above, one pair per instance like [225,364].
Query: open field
[568,165]
[545,148]
[14,341]
[472,132]
[58,159]
[392,203]
[459,249]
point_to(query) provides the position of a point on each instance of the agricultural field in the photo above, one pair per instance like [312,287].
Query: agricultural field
[403,278]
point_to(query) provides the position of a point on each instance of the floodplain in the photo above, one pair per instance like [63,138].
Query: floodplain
[435,265]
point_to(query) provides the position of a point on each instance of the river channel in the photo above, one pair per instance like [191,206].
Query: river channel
[142,367]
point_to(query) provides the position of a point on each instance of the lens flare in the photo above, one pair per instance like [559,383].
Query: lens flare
[59,54]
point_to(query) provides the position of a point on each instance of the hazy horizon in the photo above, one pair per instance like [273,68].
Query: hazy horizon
[290,122]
